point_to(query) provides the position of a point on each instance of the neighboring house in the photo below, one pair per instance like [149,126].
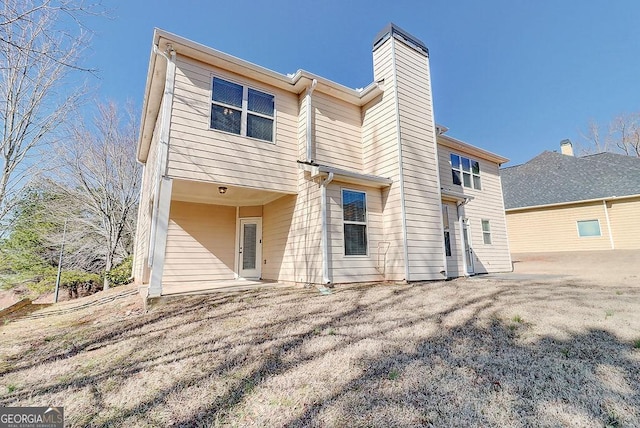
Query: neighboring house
[558,202]
[254,174]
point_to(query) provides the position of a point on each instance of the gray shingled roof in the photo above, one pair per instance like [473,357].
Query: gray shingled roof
[552,178]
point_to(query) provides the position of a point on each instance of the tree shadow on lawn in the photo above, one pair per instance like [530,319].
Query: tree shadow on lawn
[367,356]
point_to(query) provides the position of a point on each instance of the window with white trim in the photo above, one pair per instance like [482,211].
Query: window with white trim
[587,228]
[241,110]
[486,232]
[465,172]
[354,218]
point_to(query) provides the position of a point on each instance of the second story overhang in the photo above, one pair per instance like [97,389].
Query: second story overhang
[295,83]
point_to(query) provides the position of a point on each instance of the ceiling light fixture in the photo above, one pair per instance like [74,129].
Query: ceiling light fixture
[222,190]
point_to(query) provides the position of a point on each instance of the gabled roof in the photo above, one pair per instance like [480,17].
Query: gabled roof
[553,178]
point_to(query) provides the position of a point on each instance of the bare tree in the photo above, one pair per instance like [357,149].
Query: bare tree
[622,136]
[41,43]
[100,176]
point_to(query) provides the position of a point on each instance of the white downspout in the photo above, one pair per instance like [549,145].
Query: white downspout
[459,205]
[163,143]
[606,215]
[314,83]
[326,279]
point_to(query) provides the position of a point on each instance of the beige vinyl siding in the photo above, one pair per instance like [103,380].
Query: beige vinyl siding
[487,204]
[419,164]
[277,240]
[337,137]
[555,228]
[200,244]
[356,268]
[624,216]
[250,211]
[455,264]
[141,269]
[380,157]
[199,153]
[307,234]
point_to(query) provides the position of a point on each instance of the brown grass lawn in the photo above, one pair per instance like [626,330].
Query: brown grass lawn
[469,352]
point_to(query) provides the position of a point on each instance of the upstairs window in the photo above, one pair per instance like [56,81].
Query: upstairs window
[465,172]
[241,110]
[354,216]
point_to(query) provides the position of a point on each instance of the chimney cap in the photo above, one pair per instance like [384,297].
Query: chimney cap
[392,29]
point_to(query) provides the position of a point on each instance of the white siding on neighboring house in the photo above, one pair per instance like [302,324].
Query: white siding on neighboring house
[199,153]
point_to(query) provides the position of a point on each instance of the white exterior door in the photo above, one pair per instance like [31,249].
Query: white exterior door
[250,248]
[468,250]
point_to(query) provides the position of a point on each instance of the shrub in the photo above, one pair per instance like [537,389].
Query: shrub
[74,281]
[121,274]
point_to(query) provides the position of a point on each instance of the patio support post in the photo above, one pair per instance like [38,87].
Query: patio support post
[164,204]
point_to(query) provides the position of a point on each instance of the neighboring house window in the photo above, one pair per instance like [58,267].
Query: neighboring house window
[241,110]
[588,228]
[465,171]
[486,232]
[447,235]
[354,214]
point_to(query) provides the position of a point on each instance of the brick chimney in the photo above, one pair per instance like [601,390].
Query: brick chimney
[566,148]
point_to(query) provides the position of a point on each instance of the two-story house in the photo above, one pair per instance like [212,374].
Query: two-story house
[253,174]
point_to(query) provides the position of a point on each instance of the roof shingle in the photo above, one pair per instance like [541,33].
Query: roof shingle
[552,178]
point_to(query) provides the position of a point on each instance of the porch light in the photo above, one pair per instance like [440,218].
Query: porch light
[222,190]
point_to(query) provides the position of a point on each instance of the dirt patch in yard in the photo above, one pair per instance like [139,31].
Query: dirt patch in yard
[468,352]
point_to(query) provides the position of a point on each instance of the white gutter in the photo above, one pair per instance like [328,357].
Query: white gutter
[163,141]
[313,85]
[326,279]
[606,215]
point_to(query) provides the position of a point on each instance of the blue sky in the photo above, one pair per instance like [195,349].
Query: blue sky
[512,76]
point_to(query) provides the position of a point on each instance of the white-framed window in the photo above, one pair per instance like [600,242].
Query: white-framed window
[447,233]
[354,218]
[465,172]
[241,110]
[588,228]
[486,232]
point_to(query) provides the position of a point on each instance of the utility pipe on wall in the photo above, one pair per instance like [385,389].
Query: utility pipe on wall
[326,279]
[314,83]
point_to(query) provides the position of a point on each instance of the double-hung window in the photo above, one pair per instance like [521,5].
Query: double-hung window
[465,171]
[242,110]
[354,216]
